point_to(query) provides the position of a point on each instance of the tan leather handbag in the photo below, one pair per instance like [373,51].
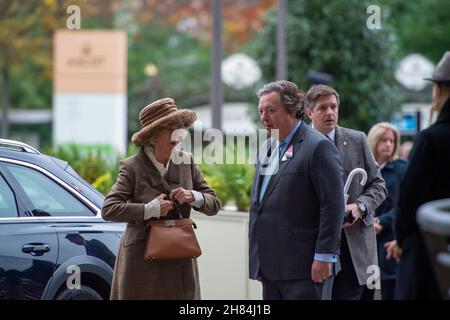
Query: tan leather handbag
[171,239]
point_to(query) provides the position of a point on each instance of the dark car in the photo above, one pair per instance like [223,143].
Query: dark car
[53,242]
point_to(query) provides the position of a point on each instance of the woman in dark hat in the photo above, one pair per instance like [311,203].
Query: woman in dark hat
[427,178]
[150,184]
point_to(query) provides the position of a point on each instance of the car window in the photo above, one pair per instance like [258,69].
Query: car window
[8,207]
[46,196]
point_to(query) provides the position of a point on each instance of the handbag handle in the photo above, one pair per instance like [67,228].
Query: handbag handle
[177,209]
[170,223]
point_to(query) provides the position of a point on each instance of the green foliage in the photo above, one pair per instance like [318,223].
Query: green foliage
[29,87]
[332,37]
[94,165]
[88,162]
[217,184]
[231,182]
[104,183]
[422,26]
[183,65]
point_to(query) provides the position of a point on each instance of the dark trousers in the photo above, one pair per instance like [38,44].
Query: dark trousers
[416,279]
[296,289]
[346,285]
[388,289]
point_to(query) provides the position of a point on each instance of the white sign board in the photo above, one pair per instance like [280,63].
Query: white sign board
[89,99]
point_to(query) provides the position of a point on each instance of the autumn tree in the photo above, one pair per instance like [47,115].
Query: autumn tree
[26,35]
[172,35]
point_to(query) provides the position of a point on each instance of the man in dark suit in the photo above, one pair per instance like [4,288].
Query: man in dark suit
[358,256]
[297,202]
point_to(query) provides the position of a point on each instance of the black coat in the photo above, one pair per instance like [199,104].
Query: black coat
[392,173]
[427,178]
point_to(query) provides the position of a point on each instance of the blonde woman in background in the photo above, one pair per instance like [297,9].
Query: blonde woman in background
[384,140]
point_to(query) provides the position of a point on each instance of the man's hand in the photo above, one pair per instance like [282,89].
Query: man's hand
[182,196]
[355,211]
[377,225]
[393,250]
[165,206]
[320,271]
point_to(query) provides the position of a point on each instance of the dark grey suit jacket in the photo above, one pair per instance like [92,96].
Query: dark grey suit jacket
[301,212]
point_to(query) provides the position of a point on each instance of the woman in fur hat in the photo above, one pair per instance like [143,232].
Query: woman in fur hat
[150,184]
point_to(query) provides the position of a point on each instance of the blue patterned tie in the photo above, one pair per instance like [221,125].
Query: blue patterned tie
[280,148]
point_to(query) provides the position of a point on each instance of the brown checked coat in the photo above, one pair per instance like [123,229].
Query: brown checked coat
[138,183]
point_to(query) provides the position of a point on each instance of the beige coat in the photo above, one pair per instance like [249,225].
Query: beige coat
[138,183]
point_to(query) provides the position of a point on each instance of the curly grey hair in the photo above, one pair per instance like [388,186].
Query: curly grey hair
[291,97]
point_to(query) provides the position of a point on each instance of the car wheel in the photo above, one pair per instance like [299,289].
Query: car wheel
[84,293]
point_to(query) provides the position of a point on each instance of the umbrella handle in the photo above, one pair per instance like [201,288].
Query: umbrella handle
[346,197]
[350,179]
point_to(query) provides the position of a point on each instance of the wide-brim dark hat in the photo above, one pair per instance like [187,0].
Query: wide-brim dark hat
[160,114]
[442,72]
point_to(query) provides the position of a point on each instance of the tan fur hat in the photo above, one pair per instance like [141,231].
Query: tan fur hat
[161,114]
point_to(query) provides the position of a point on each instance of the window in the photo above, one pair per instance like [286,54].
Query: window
[8,207]
[46,196]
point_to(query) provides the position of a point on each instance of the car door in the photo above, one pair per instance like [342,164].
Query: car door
[28,247]
[81,232]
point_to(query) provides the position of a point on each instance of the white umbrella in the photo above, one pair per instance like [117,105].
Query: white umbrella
[350,179]
[349,216]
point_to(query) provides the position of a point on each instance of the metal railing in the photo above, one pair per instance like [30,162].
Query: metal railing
[434,219]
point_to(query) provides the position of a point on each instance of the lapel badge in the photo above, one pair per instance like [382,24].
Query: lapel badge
[288,154]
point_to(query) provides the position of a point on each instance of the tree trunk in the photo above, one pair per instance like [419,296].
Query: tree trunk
[5,107]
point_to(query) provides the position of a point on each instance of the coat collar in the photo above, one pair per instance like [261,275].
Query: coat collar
[391,165]
[166,183]
[296,144]
[340,138]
